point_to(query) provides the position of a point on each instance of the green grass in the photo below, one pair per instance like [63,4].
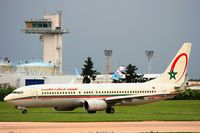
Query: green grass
[169,110]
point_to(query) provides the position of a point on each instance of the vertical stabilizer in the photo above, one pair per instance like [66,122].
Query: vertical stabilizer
[175,72]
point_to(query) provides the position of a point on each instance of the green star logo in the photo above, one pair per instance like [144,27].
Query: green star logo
[172,74]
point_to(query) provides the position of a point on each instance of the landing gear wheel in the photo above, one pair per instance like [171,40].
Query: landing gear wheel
[110,110]
[24,112]
[91,112]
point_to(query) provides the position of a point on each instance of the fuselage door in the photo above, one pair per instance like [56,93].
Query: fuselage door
[164,92]
[34,94]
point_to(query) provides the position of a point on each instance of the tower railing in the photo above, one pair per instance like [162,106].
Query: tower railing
[45,30]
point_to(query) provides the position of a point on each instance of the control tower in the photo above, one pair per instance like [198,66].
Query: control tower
[50,29]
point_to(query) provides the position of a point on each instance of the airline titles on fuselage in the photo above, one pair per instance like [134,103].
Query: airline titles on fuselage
[59,89]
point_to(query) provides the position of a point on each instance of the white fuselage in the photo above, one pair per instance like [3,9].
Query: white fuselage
[73,95]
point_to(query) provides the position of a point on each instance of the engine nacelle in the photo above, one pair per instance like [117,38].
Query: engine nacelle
[95,105]
[64,108]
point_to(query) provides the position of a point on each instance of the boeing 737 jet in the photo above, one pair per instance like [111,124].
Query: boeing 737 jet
[99,97]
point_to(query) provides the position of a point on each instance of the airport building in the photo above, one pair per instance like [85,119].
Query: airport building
[38,68]
[5,66]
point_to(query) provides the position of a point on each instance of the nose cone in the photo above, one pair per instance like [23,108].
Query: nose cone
[6,98]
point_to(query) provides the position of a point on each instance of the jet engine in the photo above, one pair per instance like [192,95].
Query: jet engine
[64,108]
[95,105]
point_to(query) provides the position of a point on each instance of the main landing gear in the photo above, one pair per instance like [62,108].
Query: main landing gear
[110,110]
[91,112]
[24,111]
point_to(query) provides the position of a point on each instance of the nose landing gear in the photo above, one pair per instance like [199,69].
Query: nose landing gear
[24,109]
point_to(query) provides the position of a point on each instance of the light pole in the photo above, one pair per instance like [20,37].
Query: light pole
[108,54]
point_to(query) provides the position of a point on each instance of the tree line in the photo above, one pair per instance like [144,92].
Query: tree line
[188,95]
[4,91]
[89,73]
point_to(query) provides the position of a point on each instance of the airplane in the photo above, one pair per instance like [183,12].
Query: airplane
[120,75]
[104,96]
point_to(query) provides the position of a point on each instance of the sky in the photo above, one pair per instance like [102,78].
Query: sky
[128,27]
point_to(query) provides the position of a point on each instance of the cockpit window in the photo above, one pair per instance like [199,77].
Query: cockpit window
[17,92]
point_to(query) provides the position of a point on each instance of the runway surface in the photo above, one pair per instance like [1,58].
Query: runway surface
[99,127]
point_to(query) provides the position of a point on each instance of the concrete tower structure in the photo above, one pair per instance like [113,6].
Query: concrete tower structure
[50,29]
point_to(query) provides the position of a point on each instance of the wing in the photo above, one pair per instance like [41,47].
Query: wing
[145,98]
[137,99]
